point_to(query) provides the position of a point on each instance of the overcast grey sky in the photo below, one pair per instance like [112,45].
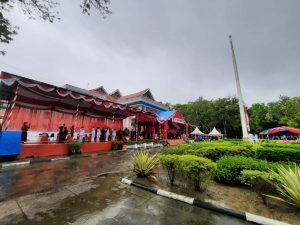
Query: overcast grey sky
[179,49]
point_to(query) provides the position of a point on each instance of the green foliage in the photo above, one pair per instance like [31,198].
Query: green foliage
[193,168]
[144,163]
[281,145]
[289,184]
[213,150]
[261,182]
[75,147]
[222,113]
[229,168]
[196,169]
[279,154]
[171,163]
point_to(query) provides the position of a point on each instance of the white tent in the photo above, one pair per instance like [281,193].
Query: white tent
[214,132]
[197,132]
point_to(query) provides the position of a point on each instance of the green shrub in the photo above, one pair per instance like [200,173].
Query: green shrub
[261,182]
[282,145]
[213,151]
[229,168]
[217,153]
[144,163]
[75,147]
[289,184]
[172,151]
[196,169]
[279,154]
[171,163]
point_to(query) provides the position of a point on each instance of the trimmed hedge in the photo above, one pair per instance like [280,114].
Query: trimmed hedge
[193,168]
[261,182]
[196,169]
[171,162]
[279,154]
[213,150]
[229,168]
[293,145]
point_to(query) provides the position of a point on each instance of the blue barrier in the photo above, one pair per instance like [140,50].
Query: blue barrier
[10,143]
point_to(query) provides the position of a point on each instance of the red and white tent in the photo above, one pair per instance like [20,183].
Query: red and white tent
[47,106]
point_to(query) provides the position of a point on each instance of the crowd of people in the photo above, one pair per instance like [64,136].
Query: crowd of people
[97,134]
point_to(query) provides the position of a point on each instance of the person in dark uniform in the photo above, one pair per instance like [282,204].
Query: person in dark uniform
[63,132]
[24,129]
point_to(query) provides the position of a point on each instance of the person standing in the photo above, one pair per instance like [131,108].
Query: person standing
[64,132]
[113,135]
[93,134]
[107,134]
[98,134]
[24,129]
[251,138]
[81,134]
[256,140]
[72,130]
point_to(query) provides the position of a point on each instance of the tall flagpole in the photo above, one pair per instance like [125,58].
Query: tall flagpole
[243,113]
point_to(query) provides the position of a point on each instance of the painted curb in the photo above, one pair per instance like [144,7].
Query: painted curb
[207,205]
[62,158]
[15,164]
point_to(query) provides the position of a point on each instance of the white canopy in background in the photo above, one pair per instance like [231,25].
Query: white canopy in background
[197,132]
[215,132]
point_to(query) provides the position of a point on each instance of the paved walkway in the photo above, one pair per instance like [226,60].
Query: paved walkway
[69,192]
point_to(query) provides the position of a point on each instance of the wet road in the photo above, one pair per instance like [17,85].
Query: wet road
[69,193]
[18,181]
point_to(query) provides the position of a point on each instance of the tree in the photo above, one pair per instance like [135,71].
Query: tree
[44,9]
[222,113]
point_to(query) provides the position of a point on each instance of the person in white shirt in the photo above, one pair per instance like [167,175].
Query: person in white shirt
[98,135]
[81,134]
[93,134]
[256,138]
[113,135]
[251,138]
[107,133]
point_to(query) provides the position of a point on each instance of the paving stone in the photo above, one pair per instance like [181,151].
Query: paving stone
[36,203]
[9,211]
[81,187]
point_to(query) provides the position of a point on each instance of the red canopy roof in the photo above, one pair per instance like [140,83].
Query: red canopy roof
[275,130]
[38,95]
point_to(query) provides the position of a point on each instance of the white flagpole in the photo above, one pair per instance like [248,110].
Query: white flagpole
[239,93]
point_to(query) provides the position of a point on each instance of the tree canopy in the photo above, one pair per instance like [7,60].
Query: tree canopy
[44,9]
[223,113]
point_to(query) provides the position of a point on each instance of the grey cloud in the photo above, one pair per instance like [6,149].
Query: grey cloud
[179,49]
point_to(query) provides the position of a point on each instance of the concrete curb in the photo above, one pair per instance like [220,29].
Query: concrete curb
[207,205]
[4,165]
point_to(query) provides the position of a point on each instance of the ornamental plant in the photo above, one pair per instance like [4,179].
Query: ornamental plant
[229,168]
[289,184]
[144,163]
[196,169]
[261,182]
[75,147]
[282,154]
[171,163]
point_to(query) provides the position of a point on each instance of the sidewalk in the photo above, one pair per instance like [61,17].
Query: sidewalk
[22,162]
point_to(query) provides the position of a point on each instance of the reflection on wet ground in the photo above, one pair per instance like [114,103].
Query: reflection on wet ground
[36,178]
[68,193]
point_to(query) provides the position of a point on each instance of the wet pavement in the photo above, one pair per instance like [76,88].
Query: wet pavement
[71,193]
[35,178]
